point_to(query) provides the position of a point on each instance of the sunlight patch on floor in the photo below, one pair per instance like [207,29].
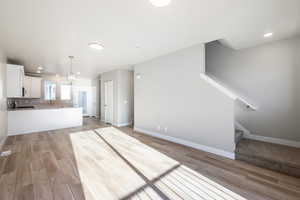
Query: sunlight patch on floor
[117,166]
[102,173]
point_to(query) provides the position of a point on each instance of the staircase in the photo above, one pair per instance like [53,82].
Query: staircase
[276,157]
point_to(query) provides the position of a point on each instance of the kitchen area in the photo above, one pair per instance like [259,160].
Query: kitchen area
[37,102]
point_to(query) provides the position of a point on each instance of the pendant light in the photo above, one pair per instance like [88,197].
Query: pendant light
[71,75]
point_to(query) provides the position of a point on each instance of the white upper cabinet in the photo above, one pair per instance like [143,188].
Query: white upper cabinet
[36,87]
[32,87]
[19,85]
[14,80]
[27,86]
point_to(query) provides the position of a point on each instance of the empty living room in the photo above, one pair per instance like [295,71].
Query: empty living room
[150,100]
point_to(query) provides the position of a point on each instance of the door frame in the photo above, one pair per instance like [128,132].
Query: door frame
[105,100]
[87,107]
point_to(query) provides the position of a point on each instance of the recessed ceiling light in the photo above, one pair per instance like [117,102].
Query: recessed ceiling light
[268,35]
[160,3]
[96,45]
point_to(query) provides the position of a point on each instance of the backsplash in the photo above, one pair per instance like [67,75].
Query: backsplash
[16,102]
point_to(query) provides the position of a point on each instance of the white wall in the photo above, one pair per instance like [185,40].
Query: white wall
[171,94]
[3,110]
[269,75]
[96,97]
[123,95]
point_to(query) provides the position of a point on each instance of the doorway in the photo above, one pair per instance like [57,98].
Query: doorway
[108,101]
[82,101]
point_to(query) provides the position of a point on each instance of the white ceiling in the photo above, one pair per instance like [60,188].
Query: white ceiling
[45,32]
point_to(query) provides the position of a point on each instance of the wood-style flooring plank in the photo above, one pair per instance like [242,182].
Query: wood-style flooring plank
[43,191]
[62,191]
[78,192]
[99,168]
[10,164]
[7,186]
[25,193]
[170,193]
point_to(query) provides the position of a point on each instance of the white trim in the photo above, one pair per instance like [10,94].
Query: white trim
[188,143]
[24,133]
[113,101]
[273,140]
[249,135]
[123,124]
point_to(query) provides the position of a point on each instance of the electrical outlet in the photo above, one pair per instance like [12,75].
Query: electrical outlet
[5,153]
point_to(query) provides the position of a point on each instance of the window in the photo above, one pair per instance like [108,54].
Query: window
[50,90]
[65,92]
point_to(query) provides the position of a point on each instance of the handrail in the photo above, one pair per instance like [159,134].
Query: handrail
[229,92]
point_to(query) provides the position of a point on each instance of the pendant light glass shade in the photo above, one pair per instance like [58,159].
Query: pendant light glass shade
[71,75]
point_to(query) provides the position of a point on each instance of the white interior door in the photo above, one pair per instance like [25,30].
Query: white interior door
[108,101]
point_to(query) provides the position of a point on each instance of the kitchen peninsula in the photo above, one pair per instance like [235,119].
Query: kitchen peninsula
[29,120]
[39,103]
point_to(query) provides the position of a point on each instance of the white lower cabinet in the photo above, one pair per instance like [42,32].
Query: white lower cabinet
[38,120]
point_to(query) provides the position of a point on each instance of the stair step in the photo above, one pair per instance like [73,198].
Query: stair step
[276,157]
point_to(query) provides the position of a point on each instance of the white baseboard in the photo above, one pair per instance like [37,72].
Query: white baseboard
[272,140]
[188,143]
[119,125]
[247,134]
[123,124]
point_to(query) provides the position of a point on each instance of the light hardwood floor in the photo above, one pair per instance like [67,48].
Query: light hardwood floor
[100,162]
